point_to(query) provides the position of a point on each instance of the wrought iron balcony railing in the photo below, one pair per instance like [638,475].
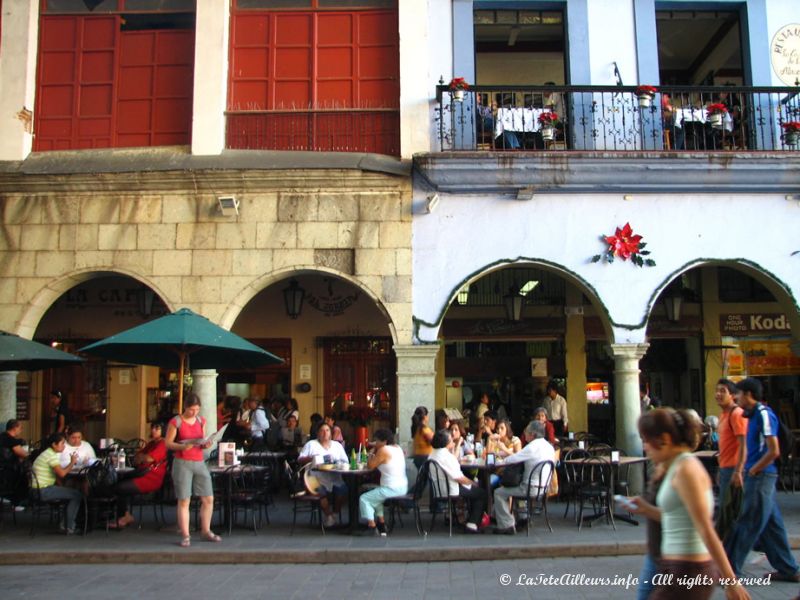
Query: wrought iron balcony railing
[374,130]
[608,118]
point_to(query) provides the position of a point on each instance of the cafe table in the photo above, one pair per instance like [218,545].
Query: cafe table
[613,474]
[352,479]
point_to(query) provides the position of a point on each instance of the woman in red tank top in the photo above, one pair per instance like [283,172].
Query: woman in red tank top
[190,476]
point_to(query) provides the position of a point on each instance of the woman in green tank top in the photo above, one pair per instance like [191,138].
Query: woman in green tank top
[693,560]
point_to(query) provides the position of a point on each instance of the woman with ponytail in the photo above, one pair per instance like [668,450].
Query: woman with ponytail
[690,547]
[422,435]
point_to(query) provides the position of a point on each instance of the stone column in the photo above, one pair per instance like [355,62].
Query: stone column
[626,399]
[416,383]
[204,384]
[8,396]
[18,44]
[210,77]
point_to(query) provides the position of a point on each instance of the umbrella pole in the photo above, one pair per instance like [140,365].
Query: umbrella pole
[182,356]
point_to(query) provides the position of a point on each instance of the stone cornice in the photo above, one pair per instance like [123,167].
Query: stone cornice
[173,169]
[611,172]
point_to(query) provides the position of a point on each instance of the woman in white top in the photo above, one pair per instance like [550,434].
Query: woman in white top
[389,459]
[76,444]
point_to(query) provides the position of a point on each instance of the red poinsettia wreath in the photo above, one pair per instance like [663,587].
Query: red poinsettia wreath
[626,245]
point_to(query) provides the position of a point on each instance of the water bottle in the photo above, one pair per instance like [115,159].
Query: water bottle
[478,450]
[121,459]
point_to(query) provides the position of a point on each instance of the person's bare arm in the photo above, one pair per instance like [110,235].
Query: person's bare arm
[169,439]
[692,484]
[19,451]
[644,508]
[379,457]
[736,478]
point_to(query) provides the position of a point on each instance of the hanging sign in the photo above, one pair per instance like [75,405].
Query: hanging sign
[785,53]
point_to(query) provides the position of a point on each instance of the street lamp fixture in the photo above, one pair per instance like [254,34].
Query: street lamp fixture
[293,297]
[513,301]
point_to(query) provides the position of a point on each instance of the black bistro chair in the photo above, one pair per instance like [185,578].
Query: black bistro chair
[594,487]
[441,499]
[410,501]
[303,501]
[536,498]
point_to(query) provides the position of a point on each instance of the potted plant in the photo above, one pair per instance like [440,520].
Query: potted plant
[458,86]
[716,114]
[791,133]
[645,95]
[547,121]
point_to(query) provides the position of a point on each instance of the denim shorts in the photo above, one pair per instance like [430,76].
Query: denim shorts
[191,478]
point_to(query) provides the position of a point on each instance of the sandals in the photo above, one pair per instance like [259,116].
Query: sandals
[210,536]
[186,542]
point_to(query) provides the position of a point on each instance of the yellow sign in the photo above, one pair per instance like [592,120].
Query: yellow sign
[769,358]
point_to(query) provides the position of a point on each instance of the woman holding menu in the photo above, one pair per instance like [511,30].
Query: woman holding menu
[190,476]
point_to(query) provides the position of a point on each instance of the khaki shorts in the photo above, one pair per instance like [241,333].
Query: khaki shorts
[191,478]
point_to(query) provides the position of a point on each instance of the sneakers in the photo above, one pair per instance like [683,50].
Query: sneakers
[330,520]
[471,528]
[778,576]
[380,527]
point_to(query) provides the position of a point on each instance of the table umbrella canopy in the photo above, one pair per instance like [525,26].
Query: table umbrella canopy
[19,354]
[169,340]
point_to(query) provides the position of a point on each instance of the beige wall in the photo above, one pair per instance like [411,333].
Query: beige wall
[519,68]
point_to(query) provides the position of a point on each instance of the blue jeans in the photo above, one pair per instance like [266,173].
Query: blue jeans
[725,474]
[649,569]
[760,521]
[72,496]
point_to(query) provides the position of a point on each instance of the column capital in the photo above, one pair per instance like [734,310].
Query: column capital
[416,359]
[629,351]
[201,373]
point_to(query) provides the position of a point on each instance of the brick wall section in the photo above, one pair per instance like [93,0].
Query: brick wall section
[58,230]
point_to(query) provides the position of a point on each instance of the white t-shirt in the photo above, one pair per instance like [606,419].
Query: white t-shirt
[85,452]
[537,451]
[449,463]
[335,451]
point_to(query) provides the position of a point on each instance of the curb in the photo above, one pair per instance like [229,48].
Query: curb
[404,555]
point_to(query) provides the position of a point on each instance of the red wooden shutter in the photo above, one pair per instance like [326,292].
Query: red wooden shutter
[77,61]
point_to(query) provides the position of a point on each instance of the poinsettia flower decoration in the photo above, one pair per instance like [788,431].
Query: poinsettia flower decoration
[626,245]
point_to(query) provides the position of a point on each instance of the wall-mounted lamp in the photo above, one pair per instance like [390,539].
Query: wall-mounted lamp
[672,304]
[293,297]
[433,202]
[228,206]
[513,301]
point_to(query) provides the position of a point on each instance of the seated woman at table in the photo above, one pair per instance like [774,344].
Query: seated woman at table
[461,447]
[457,483]
[389,459]
[689,545]
[336,431]
[422,435]
[186,438]
[151,466]
[504,443]
[325,450]
[49,475]
[76,444]
[540,414]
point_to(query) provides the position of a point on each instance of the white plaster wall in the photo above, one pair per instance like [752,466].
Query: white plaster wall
[457,241]
[18,41]
[779,14]
[423,58]
[210,77]
[611,38]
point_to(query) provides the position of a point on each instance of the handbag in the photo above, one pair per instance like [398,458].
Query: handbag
[102,476]
[512,475]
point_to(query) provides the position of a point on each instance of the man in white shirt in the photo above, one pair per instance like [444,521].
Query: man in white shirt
[328,451]
[457,484]
[556,406]
[258,420]
[537,450]
[76,443]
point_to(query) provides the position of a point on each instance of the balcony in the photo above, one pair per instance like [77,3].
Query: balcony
[603,119]
[372,130]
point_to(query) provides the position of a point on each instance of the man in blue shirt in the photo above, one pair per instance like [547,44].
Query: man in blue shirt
[760,521]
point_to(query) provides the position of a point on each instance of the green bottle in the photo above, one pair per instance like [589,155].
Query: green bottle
[364,456]
[353,461]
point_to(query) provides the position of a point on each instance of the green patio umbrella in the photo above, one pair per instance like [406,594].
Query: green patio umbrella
[19,354]
[170,341]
